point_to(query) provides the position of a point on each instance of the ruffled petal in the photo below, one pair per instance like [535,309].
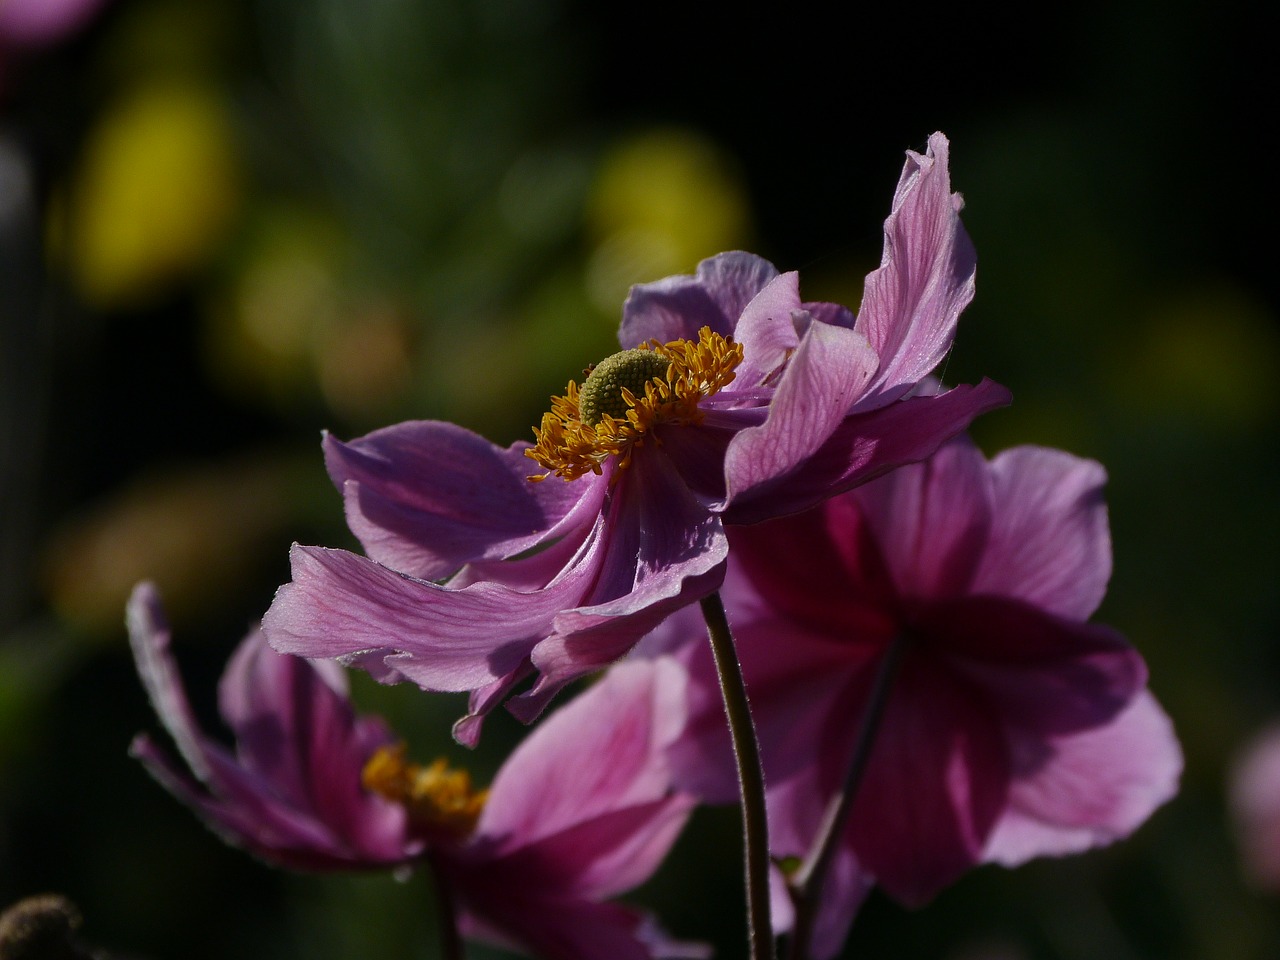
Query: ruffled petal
[664,550]
[555,778]
[862,447]
[292,794]
[676,308]
[910,305]
[829,370]
[426,497]
[1049,544]
[342,605]
[767,331]
[1093,787]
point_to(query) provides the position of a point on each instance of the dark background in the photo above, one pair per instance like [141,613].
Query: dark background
[225,226]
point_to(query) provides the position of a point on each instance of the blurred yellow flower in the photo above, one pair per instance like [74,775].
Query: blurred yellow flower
[157,186]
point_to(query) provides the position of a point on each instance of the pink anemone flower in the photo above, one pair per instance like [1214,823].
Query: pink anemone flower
[734,402]
[582,811]
[1013,728]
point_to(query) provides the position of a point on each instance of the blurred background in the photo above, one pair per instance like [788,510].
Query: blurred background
[226,225]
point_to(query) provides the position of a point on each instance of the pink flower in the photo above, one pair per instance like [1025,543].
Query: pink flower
[1013,729]
[582,811]
[1255,808]
[290,793]
[744,403]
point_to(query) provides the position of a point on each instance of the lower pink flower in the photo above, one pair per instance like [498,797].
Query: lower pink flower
[1013,727]
[582,811]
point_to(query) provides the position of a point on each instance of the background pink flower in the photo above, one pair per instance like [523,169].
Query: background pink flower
[1013,729]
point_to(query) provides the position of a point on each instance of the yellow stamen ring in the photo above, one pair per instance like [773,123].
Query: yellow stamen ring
[625,397]
[438,799]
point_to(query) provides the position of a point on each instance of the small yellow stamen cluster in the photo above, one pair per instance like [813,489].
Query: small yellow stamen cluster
[438,799]
[568,446]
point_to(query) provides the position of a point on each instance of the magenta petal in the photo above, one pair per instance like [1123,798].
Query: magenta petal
[1094,787]
[910,305]
[843,892]
[664,550]
[864,446]
[426,497]
[1049,542]
[555,778]
[828,372]
[678,307]
[935,785]
[340,605]
[292,795]
[558,929]
[1041,673]
[930,520]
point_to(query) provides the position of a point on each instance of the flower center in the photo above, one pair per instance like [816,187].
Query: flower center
[439,800]
[625,396]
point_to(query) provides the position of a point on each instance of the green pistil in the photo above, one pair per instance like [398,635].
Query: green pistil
[601,392]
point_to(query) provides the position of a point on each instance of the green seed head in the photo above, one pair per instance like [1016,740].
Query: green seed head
[601,392]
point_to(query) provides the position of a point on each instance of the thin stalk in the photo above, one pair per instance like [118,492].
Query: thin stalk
[806,882]
[746,751]
[451,947]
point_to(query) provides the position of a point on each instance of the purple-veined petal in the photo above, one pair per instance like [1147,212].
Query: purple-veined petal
[1050,544]
[845,888]
[1098,785]
[676,308]
[340,604]
[862,447]
[664,550]
[828,371]
[1040,672]
[555,778]
[767,332]
[150,639]
[426,497]
[930,520]
[910,305]
[934,786]
[605,855]
[292,794]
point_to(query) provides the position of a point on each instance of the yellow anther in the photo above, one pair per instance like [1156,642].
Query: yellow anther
[438,799]
[632,394]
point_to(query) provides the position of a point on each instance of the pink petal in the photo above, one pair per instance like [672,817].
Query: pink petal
[828,372]
[677,307]
[426,497]
[340,605]
[766,331]
[934,787]
[910,305]
[1049,542]
[863,447]
[555,779]
[1088,789]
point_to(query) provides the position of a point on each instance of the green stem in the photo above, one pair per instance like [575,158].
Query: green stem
[451,947]
[806,883]
[746,750]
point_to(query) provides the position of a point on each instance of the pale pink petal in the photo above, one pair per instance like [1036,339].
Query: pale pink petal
[766,330]
[1049,543]
[676,308]
[829,370]
[555,778]
[1085,790]
[910,305]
